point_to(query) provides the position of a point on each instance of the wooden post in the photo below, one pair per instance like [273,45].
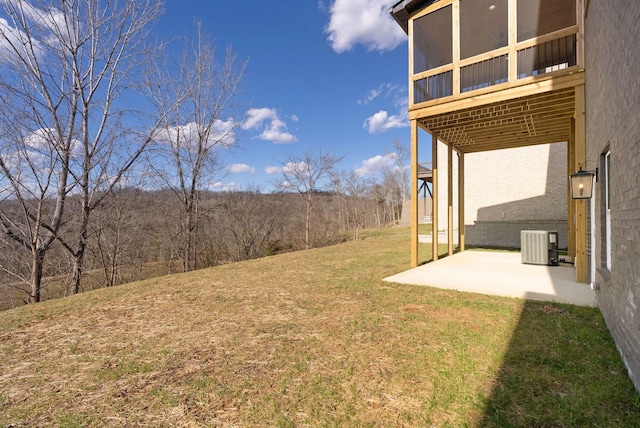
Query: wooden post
[450,199]
[410,64]
[581,206]
[456,48]
[580,36]
[571,205]
[414,193]
[434,196]
[513,40]
[461,201]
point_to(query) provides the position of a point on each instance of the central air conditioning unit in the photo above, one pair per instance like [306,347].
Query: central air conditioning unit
[539,247]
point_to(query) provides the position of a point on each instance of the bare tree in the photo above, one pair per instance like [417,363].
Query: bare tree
[198,130]
[354,192]
[306,175]
[117,237]
[392,183]
[34,173]
[68,65]
[401,156]
[253,222]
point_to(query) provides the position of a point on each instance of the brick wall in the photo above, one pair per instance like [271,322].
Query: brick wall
[612,91]
[507,191]
[507,234]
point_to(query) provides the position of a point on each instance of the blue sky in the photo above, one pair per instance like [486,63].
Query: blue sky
[328,74]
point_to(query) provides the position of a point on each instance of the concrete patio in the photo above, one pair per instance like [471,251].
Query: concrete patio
[500,274]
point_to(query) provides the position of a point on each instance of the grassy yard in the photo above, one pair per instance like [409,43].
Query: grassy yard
[312,338]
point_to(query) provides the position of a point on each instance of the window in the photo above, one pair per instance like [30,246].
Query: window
[433,40]
[483,26]
[607,206]
[538,17]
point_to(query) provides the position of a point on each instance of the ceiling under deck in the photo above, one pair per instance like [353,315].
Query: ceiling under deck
[537,119]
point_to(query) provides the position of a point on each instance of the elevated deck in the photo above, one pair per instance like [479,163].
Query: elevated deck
[489,75]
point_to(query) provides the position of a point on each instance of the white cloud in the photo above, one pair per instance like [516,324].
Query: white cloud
[385,90]
[372,95]
[382,121]
[41,139]
[294,168]
[273,170]
[273,128]
[50,23]
[256,116]
[187,136]
[222,186]
[376,164]
[14,38]
[364,22]
[277,134]
[34,160]
[50,17]
[237,168]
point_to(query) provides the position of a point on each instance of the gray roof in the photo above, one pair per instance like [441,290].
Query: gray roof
[402,10]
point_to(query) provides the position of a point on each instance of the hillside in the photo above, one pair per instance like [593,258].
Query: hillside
[139,234]
[308,338]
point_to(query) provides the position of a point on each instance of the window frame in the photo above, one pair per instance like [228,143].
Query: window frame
[607,207]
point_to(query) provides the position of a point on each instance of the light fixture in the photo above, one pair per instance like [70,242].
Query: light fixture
[582,183]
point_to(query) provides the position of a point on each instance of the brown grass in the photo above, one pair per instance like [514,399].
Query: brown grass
[312,338]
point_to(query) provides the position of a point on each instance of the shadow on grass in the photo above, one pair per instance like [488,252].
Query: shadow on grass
[561,370]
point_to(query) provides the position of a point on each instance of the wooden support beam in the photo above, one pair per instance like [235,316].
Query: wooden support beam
[410,64]
[571,205]
[414,193]
[461,201]
[581,206]
[434,196]
[450,199]
[513,40]
[456,48]
[580,36]
[533,86]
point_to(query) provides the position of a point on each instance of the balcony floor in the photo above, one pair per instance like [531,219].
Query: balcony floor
[500,274]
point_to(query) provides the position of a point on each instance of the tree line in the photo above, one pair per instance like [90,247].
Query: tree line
[109,141]
[136,234]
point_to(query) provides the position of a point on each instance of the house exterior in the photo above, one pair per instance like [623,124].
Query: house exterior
[487,75]
[612,86]
[491,76]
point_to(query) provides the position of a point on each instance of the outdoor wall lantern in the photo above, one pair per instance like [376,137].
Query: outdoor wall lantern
[582,183]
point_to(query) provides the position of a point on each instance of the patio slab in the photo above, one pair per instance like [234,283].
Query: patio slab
[500,274]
